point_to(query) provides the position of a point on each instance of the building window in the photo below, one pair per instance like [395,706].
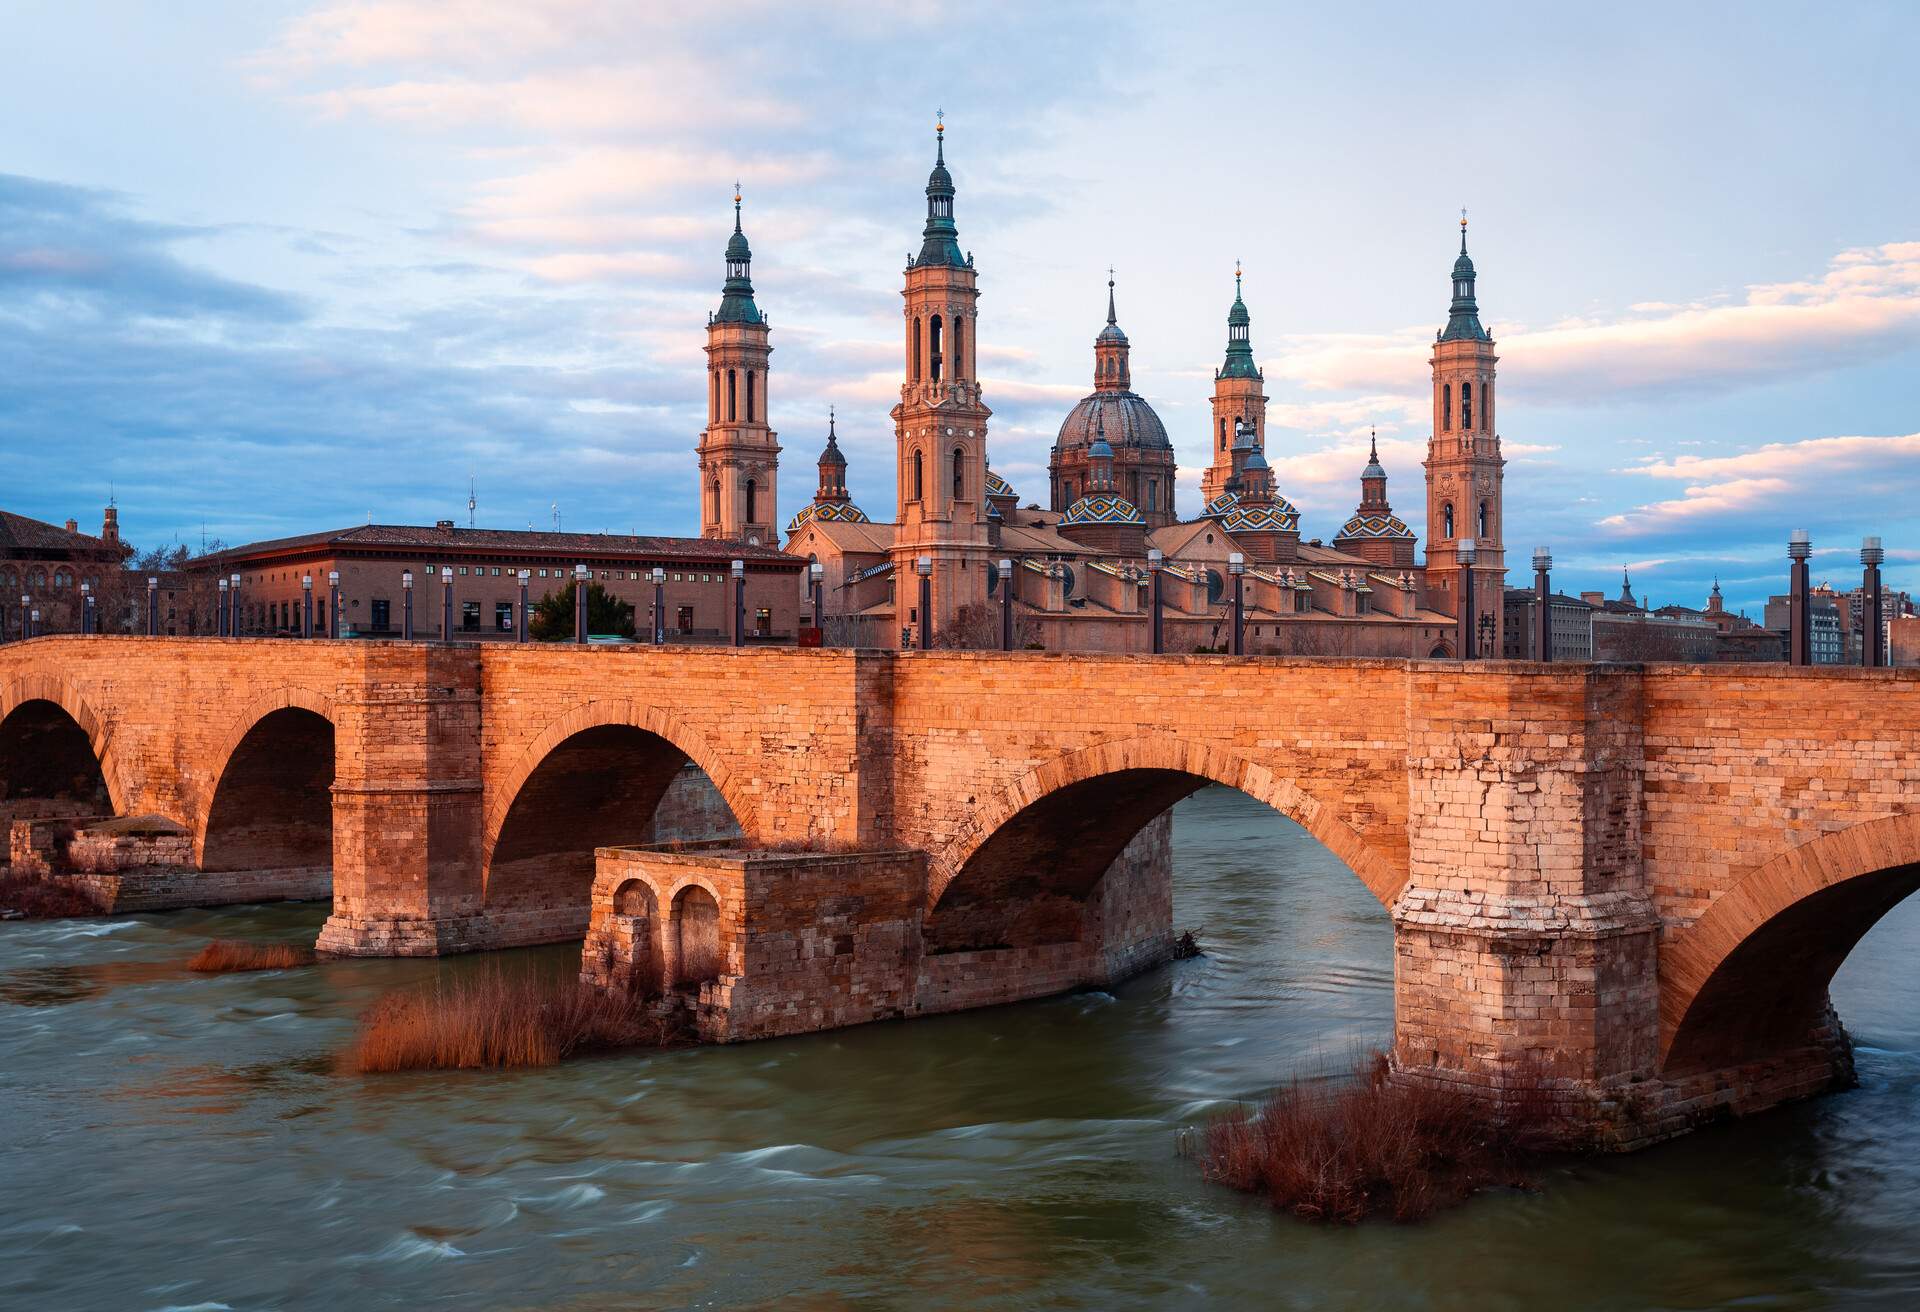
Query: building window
[470,616]
[1482,530]
[934,345]
[382,614]
[749,396]
[1446,407]
[959,337]
[1446,517]
[1466,405]
[713,406]
[959,474]
[733,383]
[919,486]
[763,622]
[916,350]
[683,619]
[495,571]
[753,491]
[1153,493]
[1223,434]
[503,616]
[62,580]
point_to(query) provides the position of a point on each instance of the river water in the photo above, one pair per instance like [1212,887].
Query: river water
[173,1141]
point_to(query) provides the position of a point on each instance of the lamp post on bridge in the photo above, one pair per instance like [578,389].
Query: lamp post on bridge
[406,605]
[221,618]
[1800,609]
[1155,562]
[816,576]
[1237,567]
[306,605]
[659,606]
[153,606]
[333,603]
[1871,554]
[924,567]
[1006,604]
[33,622]
[1542,594]
[26,603]
[739,571]
[520,627]
[580,576]
[86,604]
[446,603]
[1465,550]
[233,601]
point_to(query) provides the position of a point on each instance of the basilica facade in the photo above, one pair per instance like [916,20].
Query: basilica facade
[1082,565]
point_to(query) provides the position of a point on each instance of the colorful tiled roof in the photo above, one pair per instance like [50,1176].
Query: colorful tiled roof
[1375,526]
[999,487]
[1104,508]
[828,512]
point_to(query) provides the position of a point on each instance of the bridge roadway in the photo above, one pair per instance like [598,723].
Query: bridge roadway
[1629,885]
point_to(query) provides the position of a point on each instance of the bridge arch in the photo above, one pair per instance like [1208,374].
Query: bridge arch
[47,727]
[1059,815]
[271,804]
[1749,978]
[592,778]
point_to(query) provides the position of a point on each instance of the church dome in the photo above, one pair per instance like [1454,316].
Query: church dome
[1278,515]
[1126,417]
[1376,526]
[999,487]
[1102,508]
[828,512]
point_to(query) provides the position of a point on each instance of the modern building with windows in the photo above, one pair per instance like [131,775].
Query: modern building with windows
[481,566]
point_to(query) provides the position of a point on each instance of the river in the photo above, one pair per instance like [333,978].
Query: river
[175,1141]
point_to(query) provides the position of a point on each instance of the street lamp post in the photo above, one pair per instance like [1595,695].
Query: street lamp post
[1871,554]
[221,618]
[580,576]
[659,606]
[924,567]
[86,605]
[1237,566]
[1006,605]
[406,605]
[520,629]
[1156,561]
[233,601]
[26,604]
[333,603]
[153,606]
[1465,550]
[33,622]
[1800,616]
[446,603]
[739,571]
[815,573]
[1542,600]
[306,605]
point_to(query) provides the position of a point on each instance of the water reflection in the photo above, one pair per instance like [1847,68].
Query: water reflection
[176,1139]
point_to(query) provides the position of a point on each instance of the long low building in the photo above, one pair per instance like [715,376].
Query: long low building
[373,561]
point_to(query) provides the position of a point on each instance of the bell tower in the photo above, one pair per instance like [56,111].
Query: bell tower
[940,425]
[739,456]
[1464,465]
[1238,399]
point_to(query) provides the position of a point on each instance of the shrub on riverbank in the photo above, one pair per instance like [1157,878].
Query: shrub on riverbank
[37,899]
[1365,1147]
[493,1019]
[225,955]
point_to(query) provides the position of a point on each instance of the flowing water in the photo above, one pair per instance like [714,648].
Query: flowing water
[170,1141]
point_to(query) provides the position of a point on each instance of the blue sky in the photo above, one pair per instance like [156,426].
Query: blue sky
[267,268]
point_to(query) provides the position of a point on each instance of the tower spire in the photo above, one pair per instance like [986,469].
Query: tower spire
[736,294]
[940,243]
[1110,315]
[1463,316]
[1239,361]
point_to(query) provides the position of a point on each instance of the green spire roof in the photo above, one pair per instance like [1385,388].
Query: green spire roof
[1239,362]
[1463,316]
[736,295]
[941,245]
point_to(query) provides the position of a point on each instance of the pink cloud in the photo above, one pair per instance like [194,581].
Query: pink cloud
[1774,478]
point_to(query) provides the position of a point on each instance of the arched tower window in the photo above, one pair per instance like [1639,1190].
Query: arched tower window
[749,396]
[1483,519]
[959,474]
[959,345]
[916,350]
[753,500]
[713,502]
[733,396]
[934,345]
[1446,518]
[919,487]
[1466,406]
[1223,434]
[713,406]
[1486,406]
[1446,407]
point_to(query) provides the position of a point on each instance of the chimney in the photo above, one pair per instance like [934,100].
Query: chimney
[444,525]
[73,526]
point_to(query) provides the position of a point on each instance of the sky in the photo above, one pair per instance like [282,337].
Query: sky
[268,268]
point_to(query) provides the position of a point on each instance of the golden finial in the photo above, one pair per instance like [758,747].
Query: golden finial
[939,121]
[736,191]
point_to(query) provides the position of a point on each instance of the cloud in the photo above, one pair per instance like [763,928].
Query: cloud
[1866,305]
[1847,473]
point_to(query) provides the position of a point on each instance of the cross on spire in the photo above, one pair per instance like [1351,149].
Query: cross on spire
[1463,229]
[1110,314]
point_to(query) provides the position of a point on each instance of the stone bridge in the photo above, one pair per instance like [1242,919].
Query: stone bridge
[1629,885]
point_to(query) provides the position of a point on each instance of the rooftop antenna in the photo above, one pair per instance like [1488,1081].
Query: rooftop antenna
[470,501]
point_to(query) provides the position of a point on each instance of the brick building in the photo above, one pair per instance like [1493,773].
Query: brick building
[43,565]
[1569,618]
[373,558]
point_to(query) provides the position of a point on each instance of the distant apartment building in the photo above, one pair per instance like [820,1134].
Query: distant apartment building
[1569,622]
[1827,631]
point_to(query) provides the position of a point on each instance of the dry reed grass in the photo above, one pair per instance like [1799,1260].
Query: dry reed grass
[1365,1147]
[37,899]
[491,1020]
[225,955]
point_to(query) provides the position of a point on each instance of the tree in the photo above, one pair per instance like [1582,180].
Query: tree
[189,600]
[552,617]
[976,627]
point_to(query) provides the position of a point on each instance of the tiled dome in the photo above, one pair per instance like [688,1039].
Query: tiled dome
[1277,515]
[829,512]
[1103,508]
[1376,526]
[999,487]
[1126,417]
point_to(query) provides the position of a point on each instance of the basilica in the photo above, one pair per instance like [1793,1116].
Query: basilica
[1083,566]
